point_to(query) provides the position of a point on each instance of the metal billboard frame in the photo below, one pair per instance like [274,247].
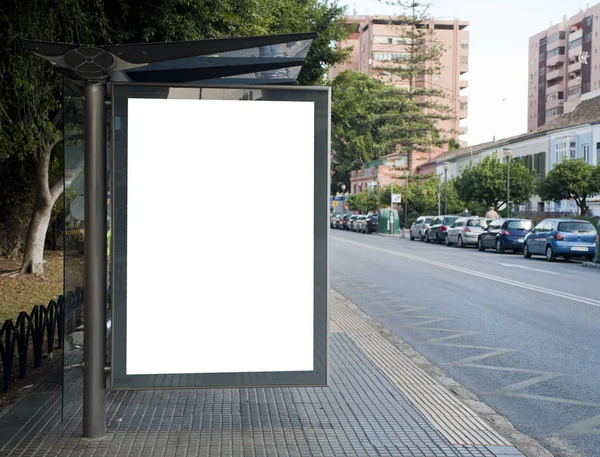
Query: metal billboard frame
[321,96]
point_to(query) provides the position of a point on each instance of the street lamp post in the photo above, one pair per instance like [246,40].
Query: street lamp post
[508,154]
[406,173]
[446,166]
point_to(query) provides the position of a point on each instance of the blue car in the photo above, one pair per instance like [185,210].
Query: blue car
[565,238]
[503,234]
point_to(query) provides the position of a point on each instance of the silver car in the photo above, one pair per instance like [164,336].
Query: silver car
[465,231]
[419,227]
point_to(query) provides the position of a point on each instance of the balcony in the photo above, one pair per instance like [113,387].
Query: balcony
[554,103]
[552,61]
[574,82]
[575,35]
[555,74]
[575,66]
[463,68]
[463,84]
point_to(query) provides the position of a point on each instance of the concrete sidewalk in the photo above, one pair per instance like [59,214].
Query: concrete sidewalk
[379,403]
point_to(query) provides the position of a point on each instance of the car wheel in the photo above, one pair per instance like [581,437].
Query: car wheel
[427,240]
[499,247]
[550,255]
[480,244]
[447,241]
[526,252]
[461,243]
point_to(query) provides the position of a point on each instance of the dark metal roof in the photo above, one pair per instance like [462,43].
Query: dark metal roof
[249,60]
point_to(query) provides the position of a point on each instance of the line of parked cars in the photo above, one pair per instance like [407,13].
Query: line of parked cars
[360,223]
[551,238]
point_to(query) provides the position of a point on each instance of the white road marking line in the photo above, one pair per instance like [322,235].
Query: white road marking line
[510,282]
[512,265]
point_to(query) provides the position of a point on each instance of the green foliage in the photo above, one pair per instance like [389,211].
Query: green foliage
[423,56]
[365,202]
[369,121]
[572,178]
[31,89]
[386,193]
[485,183]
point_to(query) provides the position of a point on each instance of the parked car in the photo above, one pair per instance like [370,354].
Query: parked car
[371,223]
[438,228]
[465,231]
[359,223]
[333,220]
[418,228]
[503,234]
[350,223]
[565,238]
[344,222]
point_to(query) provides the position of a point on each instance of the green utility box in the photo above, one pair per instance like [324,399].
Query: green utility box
[386,216]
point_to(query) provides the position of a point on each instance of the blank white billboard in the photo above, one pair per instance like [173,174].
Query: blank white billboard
[220,236]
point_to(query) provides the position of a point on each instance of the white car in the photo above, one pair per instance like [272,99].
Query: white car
[419,227]
[465,231]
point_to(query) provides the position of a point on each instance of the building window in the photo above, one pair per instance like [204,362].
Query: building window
[574,92]
[588,21]
[464,59]
[556,36]
[554,111]
[572,150]
[464,106]
[556,51]
[585,152]
[577,42]
[560,151]
[390,56]
[531,78]
[464,44]
[588,37]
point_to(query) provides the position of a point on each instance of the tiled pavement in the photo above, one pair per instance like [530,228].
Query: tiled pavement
[378,403]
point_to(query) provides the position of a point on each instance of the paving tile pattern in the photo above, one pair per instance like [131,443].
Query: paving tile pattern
[363,412]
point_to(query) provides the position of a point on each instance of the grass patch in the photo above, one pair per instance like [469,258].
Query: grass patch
[24,292]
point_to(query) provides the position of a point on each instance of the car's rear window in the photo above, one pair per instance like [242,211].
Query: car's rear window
[576,227]
[520,225]
[428,220]
[449,220]
[476,223]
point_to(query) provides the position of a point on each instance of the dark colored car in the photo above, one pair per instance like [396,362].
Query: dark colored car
[371,225]
[344,221]
[565,238]
[438,229]
[503,234]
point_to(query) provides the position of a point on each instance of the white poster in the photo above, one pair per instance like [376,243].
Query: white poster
[219,273]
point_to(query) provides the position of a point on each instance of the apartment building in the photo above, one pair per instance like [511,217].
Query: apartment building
[379,43]
[563,66]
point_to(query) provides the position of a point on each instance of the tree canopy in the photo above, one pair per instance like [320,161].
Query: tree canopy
[370,120]
[31,91]
[572,178]
[486,182]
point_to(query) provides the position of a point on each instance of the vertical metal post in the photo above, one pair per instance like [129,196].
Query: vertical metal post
[445,191]
[507,186]
[439,199]
[94,308]
[405,201]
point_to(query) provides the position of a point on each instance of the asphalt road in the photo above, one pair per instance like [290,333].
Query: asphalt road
[521,334]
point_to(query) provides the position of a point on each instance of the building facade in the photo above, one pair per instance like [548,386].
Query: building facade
[576,135]
[379,43]
[563,66]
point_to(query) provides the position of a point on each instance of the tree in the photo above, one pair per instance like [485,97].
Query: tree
[485,182]
[369,120]
[386,193]
[422,57]
[30,89]
[572,178]
[365,202]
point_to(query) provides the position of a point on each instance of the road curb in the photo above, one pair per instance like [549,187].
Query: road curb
[591,265]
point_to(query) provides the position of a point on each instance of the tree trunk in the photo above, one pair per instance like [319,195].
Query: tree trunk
[45,197]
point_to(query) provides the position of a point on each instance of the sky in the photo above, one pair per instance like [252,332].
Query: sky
[498,55]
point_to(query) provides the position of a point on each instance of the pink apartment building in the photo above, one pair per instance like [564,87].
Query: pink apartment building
[378,43]
[563,66]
